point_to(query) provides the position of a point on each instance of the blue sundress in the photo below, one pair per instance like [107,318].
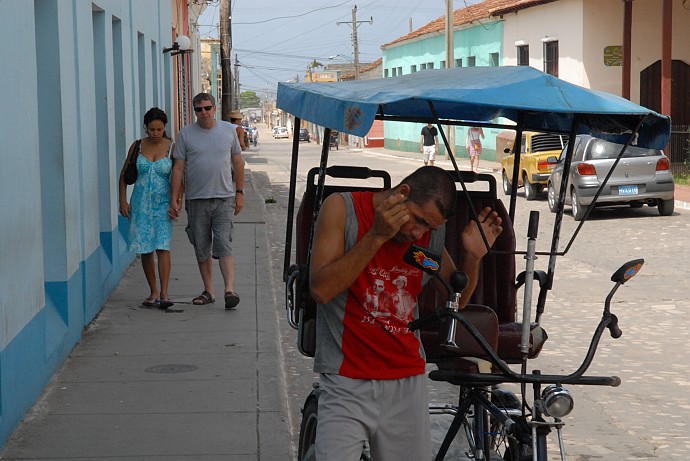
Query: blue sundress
[150,227]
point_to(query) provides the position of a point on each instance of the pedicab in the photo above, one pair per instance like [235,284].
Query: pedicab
[480,347]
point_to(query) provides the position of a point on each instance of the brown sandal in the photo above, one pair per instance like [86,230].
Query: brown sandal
[203,299]
[232,299]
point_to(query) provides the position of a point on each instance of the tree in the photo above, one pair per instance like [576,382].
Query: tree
[249,99]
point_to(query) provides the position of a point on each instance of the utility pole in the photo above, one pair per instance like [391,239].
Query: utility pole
[236,98]
[355,24]
[225,60]
[450,61]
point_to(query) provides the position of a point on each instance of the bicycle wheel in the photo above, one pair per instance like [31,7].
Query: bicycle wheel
[307,431]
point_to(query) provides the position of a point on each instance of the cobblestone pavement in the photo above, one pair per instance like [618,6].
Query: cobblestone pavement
[647,416]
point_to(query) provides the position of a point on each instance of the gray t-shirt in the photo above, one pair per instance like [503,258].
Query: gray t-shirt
[208,172]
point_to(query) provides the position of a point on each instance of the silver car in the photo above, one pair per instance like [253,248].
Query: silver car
[643,176]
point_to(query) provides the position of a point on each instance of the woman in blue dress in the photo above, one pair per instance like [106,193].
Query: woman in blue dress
[150,229]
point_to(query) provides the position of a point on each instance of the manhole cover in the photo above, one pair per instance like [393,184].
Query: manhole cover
[171,369]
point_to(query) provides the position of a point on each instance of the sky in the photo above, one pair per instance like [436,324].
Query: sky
[275,42]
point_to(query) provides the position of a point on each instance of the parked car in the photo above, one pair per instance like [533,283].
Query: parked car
[304,135]
[535,166]
[280,132]
[643,176]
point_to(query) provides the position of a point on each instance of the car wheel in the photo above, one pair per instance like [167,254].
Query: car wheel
[530,189]
[507,189]
[666,207]
[578,209]
[551,195]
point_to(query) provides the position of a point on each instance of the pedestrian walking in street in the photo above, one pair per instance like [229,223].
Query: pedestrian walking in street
[428,143]
[473,144]
[209,155]
[150,229]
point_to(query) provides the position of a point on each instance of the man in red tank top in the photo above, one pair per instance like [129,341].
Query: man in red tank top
[371,365]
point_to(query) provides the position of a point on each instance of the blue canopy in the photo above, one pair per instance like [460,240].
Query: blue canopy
[480,94]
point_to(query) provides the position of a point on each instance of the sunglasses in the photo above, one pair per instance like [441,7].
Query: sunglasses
[206,108]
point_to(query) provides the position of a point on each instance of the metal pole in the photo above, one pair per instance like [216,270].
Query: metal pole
[354,40]
[225,59]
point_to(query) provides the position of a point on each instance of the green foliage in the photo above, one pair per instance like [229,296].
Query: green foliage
[249,99]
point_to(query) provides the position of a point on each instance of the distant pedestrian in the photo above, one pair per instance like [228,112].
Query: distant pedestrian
[473,144]
[236,119]
[150,228]
[428,143]
[208,153]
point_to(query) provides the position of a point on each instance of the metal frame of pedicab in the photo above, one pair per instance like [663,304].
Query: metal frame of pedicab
[533,100]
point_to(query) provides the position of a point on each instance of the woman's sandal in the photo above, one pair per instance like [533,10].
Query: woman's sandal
[232,299]
[151,302]
[165,303]
[203,299]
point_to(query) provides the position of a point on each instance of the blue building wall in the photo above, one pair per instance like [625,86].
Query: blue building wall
[75,83]
[479,41]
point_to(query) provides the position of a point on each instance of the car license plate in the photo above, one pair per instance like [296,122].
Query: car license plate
[627,190]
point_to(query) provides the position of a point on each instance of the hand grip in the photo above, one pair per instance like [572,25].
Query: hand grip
[616,332]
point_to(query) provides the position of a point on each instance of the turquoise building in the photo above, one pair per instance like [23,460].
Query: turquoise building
[477,43]
[76,79]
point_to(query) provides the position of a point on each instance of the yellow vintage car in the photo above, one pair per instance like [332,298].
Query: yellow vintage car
[539,154]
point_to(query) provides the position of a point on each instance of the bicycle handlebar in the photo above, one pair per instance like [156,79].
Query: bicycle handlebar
[608,320]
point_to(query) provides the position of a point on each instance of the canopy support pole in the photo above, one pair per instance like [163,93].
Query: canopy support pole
[517,155]
[291,201]
[459,176]
[633,136]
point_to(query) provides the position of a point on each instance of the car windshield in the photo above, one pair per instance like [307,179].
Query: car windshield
[600,149]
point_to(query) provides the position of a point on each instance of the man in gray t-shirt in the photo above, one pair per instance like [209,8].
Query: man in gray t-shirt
[209,156]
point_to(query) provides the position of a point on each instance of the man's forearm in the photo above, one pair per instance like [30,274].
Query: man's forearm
[238,168]
[337,277]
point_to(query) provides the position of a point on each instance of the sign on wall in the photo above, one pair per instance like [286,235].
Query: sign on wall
[613,55]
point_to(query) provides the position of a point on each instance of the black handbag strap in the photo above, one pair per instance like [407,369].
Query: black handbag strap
[135,152]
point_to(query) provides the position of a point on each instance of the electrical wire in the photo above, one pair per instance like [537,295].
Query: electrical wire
[293,16]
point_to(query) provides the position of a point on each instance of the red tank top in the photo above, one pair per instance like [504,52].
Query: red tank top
[376,343]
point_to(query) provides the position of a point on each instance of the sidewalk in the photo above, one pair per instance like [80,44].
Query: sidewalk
[199,384]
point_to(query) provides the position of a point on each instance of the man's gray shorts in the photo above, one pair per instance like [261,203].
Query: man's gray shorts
[210,226]
[393,415]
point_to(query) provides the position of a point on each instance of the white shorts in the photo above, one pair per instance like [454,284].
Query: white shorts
[429,153]
[393,415]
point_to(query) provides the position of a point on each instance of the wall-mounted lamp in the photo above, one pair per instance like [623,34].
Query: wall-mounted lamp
[180,46]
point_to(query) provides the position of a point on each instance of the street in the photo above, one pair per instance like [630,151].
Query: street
[647,416]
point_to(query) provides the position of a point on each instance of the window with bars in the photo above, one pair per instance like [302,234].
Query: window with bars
[429,65]
[443,64]
[422,67]
[458,62]
[413,68]
[471,61]
[551,57]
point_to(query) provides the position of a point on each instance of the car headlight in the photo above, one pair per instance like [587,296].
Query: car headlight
[557,401]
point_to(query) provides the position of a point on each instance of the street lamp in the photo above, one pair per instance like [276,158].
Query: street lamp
[335,56]
[180,46]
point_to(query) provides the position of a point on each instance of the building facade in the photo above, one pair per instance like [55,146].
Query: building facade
[75,85]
